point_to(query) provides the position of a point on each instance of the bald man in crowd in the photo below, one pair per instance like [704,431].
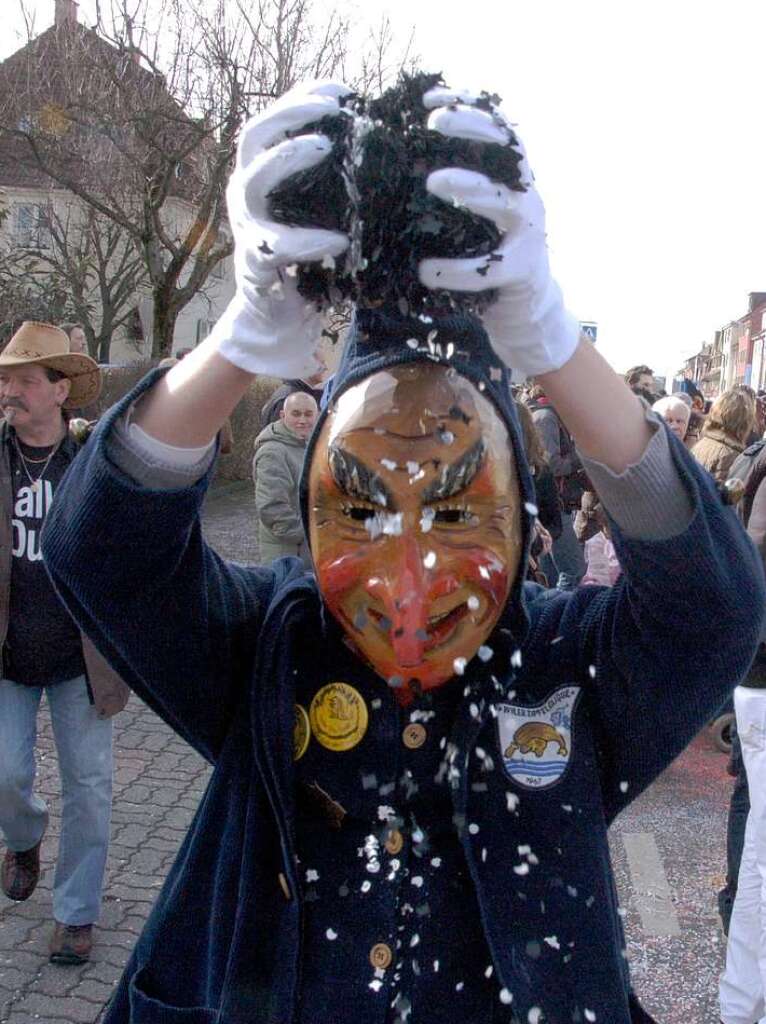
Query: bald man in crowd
[277,464]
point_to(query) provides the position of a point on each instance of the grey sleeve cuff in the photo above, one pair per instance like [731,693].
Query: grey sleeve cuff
[648,501]
[151,470]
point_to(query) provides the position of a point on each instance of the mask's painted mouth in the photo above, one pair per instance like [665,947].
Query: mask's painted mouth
[441,628]
[438,631]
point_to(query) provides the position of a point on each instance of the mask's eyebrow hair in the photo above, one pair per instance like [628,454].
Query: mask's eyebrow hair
[355,479]
[456,476]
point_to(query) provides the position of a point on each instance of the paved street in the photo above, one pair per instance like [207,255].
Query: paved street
[668,851]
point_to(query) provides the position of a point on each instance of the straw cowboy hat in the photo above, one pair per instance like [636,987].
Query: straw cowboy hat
[46,345]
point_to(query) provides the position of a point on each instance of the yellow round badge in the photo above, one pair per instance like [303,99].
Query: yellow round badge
[301,732]
[338,716]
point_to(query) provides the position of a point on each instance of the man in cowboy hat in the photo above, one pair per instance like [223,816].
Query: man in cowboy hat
[42,649]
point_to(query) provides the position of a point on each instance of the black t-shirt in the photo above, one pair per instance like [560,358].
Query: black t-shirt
[43,645]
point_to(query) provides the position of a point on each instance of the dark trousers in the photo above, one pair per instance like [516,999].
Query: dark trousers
[739,808]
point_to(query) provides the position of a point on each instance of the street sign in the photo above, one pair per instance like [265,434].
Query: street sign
[589,329]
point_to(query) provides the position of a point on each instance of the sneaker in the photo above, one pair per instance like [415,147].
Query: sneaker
[21,873]
[71,943]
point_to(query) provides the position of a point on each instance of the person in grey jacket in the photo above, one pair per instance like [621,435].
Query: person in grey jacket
[277,464]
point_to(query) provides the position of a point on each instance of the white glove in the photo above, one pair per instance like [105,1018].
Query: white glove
[527,324]
[268,327]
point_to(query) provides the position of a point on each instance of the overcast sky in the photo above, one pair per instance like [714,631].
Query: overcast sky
[644,125]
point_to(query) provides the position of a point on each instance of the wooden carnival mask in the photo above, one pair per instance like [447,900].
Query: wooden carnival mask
[415,524]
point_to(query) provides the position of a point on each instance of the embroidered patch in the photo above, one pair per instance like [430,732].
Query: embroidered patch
[536,742]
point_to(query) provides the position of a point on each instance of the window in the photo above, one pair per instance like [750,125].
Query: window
[204,327]
[32,228]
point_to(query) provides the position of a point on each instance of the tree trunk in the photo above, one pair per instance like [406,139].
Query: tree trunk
[165,317]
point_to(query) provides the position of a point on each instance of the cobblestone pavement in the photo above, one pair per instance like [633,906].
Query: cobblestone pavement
[668,850]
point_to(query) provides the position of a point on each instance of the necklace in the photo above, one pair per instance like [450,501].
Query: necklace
[36,482]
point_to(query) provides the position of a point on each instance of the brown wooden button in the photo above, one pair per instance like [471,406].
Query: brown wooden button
[414,735]
[394,841]
[381,956]
[284,886]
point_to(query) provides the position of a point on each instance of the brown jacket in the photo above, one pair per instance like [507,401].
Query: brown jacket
[110,694]
[716,451]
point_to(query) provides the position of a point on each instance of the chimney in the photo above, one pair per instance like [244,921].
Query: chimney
[66,12]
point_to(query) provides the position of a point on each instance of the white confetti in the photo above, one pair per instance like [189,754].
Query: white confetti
[624,786]
[413,468]
[505,997]
[312,875]
[388,464]
[366,886]
[412,343]
[592,671]
[590,1015]
[376,985]
[430,560]
[436,862]
[485,653]
[436,966]
[488,972]
[531,508]
[521,869]
[512,801]
[459,665]
[473,828]
[331,934]
[473,603]
[552,941]
[516,658]
[535,1015]
[417,881]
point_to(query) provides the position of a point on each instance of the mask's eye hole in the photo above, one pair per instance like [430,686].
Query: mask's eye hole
[449,515]
[454,515]
[359,513]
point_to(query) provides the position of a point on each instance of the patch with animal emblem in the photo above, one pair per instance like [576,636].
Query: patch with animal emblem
[338,716]
[301,732]
[536,742]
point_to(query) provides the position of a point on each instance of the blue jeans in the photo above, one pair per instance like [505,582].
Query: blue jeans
[566,567]
[84,746]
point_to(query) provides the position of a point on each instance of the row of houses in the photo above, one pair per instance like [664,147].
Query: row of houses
[734,355]
[33,206]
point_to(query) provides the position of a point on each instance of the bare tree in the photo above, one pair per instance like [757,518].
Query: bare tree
[138,117]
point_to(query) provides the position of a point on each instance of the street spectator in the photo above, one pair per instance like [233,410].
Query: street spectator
[640,380]
[313,385]
[601,563]
[43,651]
[77,340]
[277,465]
[546,493]
[742,989]
[726,430]
[567,565]
[676,414]
[547,499]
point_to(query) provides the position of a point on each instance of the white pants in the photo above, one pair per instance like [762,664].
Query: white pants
[743,983]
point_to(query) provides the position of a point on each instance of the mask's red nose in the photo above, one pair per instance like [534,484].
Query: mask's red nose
[401,587]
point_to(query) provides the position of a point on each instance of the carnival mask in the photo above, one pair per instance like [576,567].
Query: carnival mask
[415,524]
